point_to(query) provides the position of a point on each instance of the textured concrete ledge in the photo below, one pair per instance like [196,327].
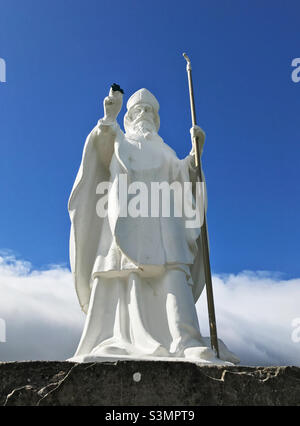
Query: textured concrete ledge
[157,384]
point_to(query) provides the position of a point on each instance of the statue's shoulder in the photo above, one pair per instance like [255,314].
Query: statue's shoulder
[170,150]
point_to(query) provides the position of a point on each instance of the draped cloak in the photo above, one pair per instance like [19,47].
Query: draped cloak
[116,245]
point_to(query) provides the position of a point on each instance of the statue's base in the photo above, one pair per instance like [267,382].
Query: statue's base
[146,383]
[93,358]
[199,355]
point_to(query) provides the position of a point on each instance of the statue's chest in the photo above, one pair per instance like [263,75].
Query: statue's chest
[141,157]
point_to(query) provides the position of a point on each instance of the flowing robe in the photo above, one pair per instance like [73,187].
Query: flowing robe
[137,278]
[114,243]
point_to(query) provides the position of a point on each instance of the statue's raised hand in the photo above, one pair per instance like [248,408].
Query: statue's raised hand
[113,103]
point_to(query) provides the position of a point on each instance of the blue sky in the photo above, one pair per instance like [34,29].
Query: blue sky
[61,58]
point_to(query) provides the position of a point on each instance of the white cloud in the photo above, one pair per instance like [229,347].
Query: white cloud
[41,313]
[255,314]
[44,321]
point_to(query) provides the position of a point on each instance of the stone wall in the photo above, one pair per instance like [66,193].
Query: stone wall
[140,383]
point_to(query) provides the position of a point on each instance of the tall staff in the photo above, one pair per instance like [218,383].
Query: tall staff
[204,237]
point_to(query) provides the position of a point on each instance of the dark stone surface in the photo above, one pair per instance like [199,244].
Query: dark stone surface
[161,384]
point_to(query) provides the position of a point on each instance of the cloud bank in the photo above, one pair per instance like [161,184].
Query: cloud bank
[42,316]
[258,314]
[258,317]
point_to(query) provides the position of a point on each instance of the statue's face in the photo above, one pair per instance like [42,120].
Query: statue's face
[142,115]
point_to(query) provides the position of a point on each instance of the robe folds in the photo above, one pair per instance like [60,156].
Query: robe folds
[137,278]
[115,245]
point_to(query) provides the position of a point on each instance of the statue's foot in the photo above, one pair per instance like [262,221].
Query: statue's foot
[204,355]
[225,353]
[200,353]
[110,348]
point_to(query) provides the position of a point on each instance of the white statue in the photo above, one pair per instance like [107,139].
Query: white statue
[137,276]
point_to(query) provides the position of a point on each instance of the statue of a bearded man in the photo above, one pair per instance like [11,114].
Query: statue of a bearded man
[137,276]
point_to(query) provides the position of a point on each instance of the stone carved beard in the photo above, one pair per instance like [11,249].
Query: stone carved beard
[141,127]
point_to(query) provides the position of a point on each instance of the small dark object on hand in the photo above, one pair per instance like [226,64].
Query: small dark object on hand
[116,88]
